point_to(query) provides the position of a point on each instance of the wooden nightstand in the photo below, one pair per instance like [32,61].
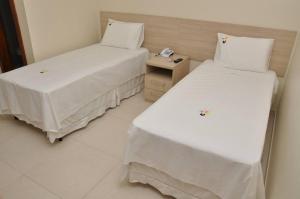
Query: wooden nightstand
[162,74]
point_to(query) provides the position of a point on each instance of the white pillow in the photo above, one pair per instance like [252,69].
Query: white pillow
[123,35]
[244,53]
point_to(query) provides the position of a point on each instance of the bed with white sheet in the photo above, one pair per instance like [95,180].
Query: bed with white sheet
[205,137]
[63,93]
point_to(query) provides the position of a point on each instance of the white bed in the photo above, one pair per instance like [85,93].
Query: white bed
[186,155]
[62,94]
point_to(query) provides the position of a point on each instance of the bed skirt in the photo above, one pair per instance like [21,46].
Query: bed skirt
[94,109]
[167,185]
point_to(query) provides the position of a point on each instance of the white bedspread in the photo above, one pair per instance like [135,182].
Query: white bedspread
[48,92]
[220,152]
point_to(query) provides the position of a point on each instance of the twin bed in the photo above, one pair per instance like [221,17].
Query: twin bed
[208,131]
[203,139]
[62,94]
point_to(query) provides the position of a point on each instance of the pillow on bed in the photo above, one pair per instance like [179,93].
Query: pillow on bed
[244,53]
[123,35]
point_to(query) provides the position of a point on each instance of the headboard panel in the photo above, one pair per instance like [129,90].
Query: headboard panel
[197,38]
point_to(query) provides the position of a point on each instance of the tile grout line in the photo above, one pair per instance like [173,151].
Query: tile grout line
[11,166]
[97,150]
[42,186]
[4,189]
[99,182]
[85,145]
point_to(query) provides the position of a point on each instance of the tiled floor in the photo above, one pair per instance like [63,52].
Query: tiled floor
[87,164]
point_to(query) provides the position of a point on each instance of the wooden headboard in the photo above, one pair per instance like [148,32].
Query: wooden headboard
[198,38]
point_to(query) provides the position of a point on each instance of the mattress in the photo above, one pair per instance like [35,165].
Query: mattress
[46,94]
[208,131]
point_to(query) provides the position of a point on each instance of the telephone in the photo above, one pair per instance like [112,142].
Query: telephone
[167,52]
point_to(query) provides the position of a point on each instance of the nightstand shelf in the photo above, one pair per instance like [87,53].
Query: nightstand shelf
[162,74]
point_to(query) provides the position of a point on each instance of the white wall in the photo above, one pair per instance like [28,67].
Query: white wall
[57,26]
[285,165]
[269,13]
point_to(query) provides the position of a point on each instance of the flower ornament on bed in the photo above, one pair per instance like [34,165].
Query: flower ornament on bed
[204,113]
[43,71]
[224,40]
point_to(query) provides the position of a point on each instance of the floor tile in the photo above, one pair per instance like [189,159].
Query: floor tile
[108,134]
[28,149]
[86,164]
[113,187]
[7,175]
[74,171]
[9,127]
[26,189]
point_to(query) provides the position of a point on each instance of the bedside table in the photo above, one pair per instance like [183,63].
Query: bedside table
[162,74]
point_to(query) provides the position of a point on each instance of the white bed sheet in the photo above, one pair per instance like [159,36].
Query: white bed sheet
[48,92]
[220,152]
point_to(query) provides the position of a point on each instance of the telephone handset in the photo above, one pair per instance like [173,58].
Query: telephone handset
[167,52]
